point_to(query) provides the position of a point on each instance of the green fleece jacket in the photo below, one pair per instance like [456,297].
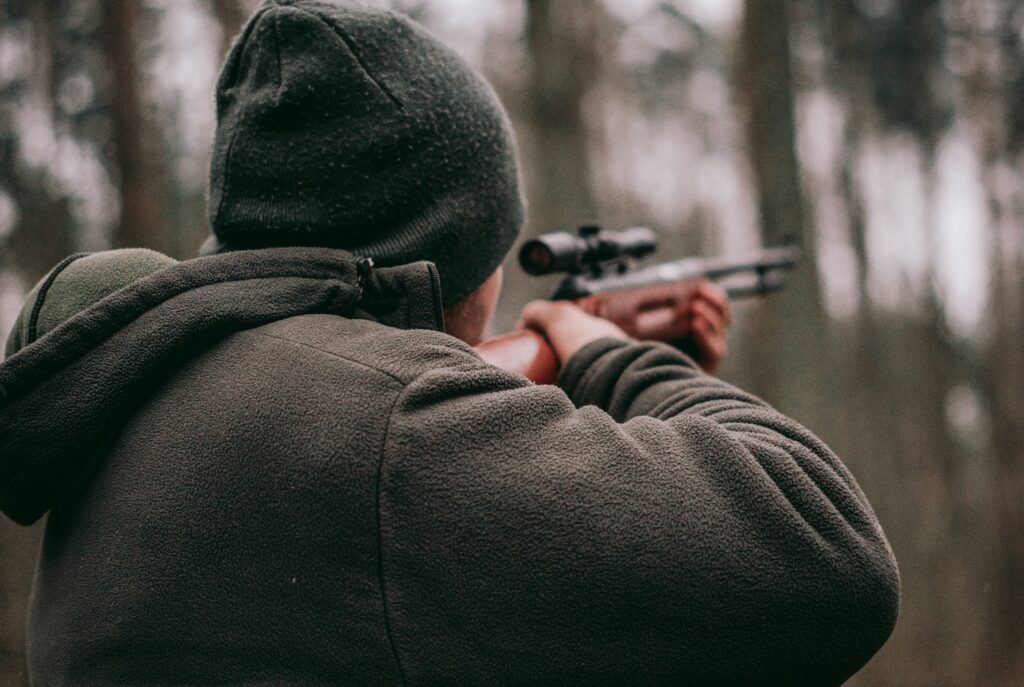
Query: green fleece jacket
[264,468]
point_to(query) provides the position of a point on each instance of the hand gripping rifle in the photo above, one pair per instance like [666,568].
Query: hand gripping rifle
[644,302]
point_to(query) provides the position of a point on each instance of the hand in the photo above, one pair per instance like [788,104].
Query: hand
[709,315]
[566,327]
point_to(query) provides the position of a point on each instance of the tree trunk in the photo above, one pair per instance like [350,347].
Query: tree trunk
[564,56]
[790,329]
[1004,388]
[143,218]
[564,42]
[43,234]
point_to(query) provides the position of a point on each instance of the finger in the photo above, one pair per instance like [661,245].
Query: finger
[704,333]
[711,345]
[700,308]
[715,296]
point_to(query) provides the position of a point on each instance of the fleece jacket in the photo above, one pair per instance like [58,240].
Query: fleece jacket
[272,467]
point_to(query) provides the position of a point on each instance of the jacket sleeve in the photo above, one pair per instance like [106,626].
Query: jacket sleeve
[649,524]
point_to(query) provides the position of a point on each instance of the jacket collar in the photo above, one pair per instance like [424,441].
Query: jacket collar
[64,393]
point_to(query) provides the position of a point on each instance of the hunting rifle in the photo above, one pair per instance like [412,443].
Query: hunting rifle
[644,302]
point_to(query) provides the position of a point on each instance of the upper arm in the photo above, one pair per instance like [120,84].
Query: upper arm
[527,538]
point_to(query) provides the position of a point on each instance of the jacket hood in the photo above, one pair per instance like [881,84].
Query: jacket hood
[102,330]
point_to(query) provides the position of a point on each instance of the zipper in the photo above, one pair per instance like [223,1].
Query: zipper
[435,289]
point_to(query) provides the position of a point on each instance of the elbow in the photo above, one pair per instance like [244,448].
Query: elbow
[860,609]
[842,605]
[874,602]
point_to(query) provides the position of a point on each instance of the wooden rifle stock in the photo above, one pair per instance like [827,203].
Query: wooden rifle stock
[649,308]
[524,352]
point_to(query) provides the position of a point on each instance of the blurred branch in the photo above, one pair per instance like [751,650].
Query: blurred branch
[672,11]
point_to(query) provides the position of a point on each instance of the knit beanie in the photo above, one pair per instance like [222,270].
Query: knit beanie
[344,126]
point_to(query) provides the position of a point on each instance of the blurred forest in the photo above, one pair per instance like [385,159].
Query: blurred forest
[885,135]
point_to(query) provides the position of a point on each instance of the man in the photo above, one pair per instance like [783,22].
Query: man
[271,466]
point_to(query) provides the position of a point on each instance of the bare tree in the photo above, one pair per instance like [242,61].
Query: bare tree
[553,106]
[44,232]
[790,330]
[564,52]
[143,217]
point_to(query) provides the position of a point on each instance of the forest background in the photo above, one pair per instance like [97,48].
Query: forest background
[885,135]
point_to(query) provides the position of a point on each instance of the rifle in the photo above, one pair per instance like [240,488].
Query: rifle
[644,302]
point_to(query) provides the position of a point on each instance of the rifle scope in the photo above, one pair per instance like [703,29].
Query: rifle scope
[590,250]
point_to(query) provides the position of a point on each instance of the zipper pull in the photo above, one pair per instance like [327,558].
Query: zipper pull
[366,279]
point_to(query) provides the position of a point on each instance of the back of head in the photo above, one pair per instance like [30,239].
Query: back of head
[350,127]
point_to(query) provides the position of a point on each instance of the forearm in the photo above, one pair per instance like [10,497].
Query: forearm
[630,380]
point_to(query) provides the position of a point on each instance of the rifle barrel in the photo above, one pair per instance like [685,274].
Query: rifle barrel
[761,264]
[752,286]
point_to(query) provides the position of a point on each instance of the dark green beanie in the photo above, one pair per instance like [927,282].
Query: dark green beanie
[349,127]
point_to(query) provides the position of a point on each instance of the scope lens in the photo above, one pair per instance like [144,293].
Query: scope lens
[536,258]
[540,257]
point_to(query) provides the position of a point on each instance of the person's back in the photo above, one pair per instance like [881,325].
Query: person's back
[272,466]
[329,498]
[229,533]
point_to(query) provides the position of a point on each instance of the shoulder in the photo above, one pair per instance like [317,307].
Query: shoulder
[402,355]
[426,378]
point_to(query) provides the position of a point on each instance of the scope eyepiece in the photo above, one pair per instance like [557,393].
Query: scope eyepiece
[563,252]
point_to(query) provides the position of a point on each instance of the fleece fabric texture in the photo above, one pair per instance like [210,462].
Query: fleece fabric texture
[83,280]
[350,127]
[268,467]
